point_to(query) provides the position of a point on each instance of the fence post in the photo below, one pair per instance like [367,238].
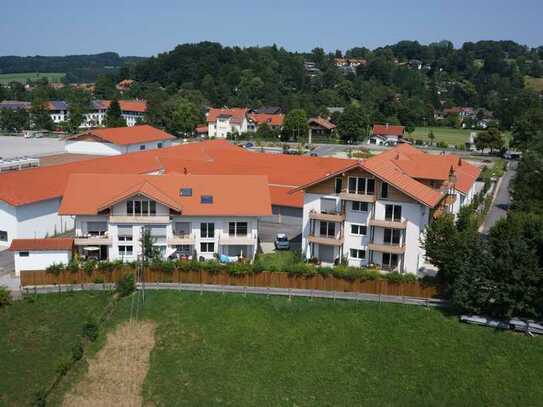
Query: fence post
[289,294]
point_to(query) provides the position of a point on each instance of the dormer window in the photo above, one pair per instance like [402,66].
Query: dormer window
[206,199]
[185,192]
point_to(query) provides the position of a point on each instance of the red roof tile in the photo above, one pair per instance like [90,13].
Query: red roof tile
[237,114]
[322,122]
[226,190]
[387,130]
[271,119]
[128,135]
[47,244]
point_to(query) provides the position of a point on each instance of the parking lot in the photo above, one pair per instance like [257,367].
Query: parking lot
[268,230]
[16,146]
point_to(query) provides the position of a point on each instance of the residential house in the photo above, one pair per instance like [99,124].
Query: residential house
[319,126]
[125,85]
[201,130]
[386,134]
[15,105]
[59,111]
[267,110]
[225,122]
[274,121]
[133,111]
[187,216]
[119,140]
[375,212]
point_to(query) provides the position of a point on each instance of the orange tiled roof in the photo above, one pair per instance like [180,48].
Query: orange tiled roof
[271,119]
[216,157]
[387,130]
[237,114]
[128,135]
[47,244]
[226,190]
[322,122]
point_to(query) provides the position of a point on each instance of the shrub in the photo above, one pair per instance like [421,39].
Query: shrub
[5,296]
[77,351]
[40,398]
[126,285]
[105,266]
[55,268]
[398,278]
[72,266]
[63,367]
[163,265]
[99,280]
[238,269]
[89,266]
[90,331]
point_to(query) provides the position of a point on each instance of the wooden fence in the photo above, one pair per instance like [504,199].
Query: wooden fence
[264,279]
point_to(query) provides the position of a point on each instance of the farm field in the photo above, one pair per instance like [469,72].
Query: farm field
[534,83]
[23,77]
[252,351]
[448,135]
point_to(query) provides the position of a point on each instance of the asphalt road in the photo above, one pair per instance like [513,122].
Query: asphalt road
[503,200]
[15,146]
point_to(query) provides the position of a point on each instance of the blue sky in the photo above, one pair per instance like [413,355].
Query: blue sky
[59,27]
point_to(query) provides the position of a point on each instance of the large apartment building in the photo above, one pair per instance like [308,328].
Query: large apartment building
[199,216]
[374,212]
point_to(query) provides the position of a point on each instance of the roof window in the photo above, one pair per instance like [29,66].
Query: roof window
[185,192]
[206,199]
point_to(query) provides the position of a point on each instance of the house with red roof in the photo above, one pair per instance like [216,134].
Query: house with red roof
[225,122]
[119,140]
[386,134]
[38,254]
[375,212]
[319,126]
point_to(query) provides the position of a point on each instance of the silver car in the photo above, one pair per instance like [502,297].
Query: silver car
[281,242]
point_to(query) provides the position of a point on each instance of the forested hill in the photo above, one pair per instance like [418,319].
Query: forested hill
[78,68]
[486,74]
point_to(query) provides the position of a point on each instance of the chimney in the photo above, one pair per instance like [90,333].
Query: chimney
[185,171]
[459,161]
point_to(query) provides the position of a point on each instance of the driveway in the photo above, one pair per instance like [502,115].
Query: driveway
[268,230]
[7,271]
[501,204]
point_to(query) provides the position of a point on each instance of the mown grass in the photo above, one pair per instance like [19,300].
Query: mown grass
[534,83]
[33,76]
[215,349]
[449,135]
[36,336]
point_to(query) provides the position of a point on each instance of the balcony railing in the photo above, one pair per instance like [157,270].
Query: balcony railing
[347,196]
[93,240]
[181,239]
[249,239]
[328,216]
[146,220]
[387,248]
[391,223]
[327,240]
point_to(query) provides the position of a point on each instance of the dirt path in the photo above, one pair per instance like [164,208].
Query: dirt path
[116,374]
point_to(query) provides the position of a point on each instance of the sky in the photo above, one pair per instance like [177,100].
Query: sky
[145,28]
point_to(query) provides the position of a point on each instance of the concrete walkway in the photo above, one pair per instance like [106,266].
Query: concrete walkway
[502,200]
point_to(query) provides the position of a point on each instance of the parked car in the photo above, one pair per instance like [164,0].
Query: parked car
[249,145]
[281,242]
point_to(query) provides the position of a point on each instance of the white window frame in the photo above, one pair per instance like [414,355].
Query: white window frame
[207,245]
[360,203]
[358,252]
[357,188]
[359,226]
[124,252]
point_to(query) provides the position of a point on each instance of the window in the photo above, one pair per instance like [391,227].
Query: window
[384,190]
[393,213]
[328,229]
[140,207]
[124,233]
[237,228]
[360,206]
[392,236]
[338,185]
[24,254]
[207,247]
[207,230]
[358,254]
[142,147]
[96,228]
[359,230]
[126,250]
[184,249]
[360,185]
[159,145]
[3,236]
[328,205]
[390,260]
[206,199]
[185,192]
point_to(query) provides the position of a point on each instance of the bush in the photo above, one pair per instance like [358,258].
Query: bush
[398,278]
[55,268]
[5,296]
[77,351]
[63,367]
[89,266]
[40,398]
[126,285]
[72,266]
[239,269]
[90,331]
[105,266]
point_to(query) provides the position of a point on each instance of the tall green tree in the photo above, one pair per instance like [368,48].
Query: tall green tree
[295,126]
[14,120]
[353,124]
[40,117]
[114,115]
[105,87]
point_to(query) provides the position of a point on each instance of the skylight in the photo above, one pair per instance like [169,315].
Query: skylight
[206,199]
[185,192]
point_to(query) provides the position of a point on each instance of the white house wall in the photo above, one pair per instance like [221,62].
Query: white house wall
[40,260]
[93,148]
[41,219]
[8,222]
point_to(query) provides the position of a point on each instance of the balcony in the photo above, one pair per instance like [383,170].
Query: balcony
[237,240]
[346,196]
[93,240]
[142,220]
[391,224]
[181,239]
[387,248]
[326,240]
[328,216]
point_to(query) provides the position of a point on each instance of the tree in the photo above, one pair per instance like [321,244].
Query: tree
[150,251]
[114,115]
[527,186]
[491,138]
[183,116]
[353,124]
[431,137]
[14,120]
[105,87]
[40,117]
[295,126]
[265,132]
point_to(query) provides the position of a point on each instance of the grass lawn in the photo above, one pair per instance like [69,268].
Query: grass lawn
[215,349]
[534,83]
[448,135]
[35,337]
[23,77]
